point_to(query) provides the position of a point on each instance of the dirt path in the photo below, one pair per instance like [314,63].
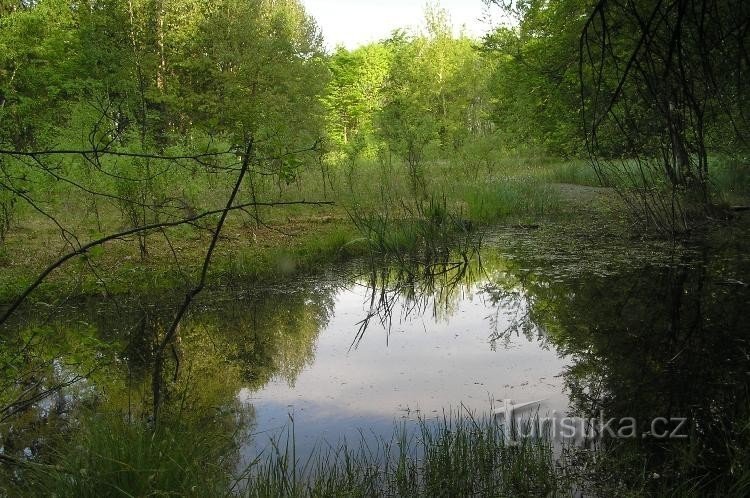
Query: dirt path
[577,194]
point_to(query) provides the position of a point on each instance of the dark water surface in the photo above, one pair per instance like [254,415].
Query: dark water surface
[633,329]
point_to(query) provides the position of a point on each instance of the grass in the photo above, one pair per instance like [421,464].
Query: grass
[457,455]
[730,179]
[514,199]
[571,172]
[242,259]
[455,200]
[377,212]
[303,255]
[108,456]
[429,227]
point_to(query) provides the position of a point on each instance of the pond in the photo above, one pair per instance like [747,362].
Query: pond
[590,327]
[582,323]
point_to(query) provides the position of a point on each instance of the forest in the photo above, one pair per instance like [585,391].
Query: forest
[193,193]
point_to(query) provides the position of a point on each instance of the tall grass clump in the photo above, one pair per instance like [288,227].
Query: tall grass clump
[427,227]
[109,456]
[456,455]
[512,198]
[572,172]
[730,179]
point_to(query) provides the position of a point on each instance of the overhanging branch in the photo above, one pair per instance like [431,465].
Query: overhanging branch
[133,231]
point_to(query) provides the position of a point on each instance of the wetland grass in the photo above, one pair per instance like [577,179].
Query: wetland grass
[454,455]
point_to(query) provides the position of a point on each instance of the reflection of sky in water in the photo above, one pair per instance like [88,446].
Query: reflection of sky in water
[424,366]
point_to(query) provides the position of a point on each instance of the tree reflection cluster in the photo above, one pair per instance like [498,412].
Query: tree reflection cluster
[666,340]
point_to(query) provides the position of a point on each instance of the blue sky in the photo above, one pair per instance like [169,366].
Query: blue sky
[356,22]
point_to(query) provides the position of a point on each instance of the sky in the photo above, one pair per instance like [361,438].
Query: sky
[356,22]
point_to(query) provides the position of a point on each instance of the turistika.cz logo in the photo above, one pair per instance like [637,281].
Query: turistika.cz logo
[524,420]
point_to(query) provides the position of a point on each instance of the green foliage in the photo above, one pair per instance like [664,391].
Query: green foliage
[670,108]
[134,74]
[355,95]
[425,229]
[535,84]
[415,96]
[152,78]
[36,62]
[432,94]
[255,69]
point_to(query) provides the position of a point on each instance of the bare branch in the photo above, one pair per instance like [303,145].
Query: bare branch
[133,231]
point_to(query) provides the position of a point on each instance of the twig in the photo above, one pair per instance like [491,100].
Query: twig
[146,228]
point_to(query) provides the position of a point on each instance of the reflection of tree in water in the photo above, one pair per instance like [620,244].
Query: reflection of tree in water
[660,341]
[265,335]
[226,344]
[512,306]
[37,383]
[416,288]
[272,334]
[437,288]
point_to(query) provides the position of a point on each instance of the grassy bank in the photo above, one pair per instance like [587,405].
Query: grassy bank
[380,214]
[456,455]
[118,270]
[374,210]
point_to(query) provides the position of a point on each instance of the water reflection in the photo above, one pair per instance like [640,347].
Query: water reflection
[665,340]
[409,365]
[588,328]
[410,289]
[230,341]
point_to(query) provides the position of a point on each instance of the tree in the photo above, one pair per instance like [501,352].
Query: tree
[127,102]
[667,78]
[431,95]
[355,92]
[36,47]
[408,122]
[535,84]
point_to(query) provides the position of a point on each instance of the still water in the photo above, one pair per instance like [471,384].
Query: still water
[592,325]
[587,321]
[418,363]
